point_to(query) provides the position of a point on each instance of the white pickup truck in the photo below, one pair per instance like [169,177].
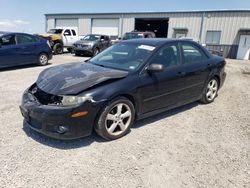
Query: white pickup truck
[61,38]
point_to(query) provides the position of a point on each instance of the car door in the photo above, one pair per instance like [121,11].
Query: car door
[67,38]
[196,68]
[163,89]
[9,53]
[107,42]
[27,46]
[102,42]
[74,36]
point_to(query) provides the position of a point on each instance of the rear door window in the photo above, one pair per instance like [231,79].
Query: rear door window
[192,53]
[24,39]
[8,40]
[106,38]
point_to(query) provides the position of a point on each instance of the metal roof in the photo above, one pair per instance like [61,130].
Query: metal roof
[150,12]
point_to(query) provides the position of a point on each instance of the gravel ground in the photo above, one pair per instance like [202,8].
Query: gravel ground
[192,146]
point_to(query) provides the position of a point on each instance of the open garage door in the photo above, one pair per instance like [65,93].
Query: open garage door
[108,27]
[67,23]
[158,25]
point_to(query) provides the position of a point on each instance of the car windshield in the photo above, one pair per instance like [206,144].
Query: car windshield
[123,56]
[128,36]
[91,37]
[55,31]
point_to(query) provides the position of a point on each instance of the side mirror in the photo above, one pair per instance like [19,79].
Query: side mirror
[102,40]
[155,68]
[66,33]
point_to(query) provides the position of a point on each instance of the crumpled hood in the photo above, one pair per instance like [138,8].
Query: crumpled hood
[73,78]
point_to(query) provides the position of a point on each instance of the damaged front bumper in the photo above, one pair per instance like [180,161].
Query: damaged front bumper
[57,121]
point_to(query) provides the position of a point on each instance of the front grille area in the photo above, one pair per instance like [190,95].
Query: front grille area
[35,123]
[43,97]
[80,45]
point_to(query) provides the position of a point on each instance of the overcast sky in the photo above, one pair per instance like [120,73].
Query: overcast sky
[28,15]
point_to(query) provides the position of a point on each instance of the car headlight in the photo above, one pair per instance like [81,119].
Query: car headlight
[75,100]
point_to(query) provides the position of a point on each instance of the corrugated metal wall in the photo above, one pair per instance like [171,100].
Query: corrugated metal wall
[191,21]
[50,23]
[228,22]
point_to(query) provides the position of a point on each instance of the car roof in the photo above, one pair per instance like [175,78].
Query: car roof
[7,33]
[97,35]
[152,41]
[142,32]
[4,33]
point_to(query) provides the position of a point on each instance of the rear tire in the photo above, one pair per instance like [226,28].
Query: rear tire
[115,119]
[58,48]
[43,59]
[210,91]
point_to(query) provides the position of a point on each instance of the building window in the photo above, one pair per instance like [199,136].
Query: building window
[180,33]
[213,37]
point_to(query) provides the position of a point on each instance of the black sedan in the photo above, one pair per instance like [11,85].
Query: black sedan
[91,45]
[131,80]
[21,49]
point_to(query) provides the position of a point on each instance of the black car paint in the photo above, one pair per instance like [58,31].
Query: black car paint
[150,93]
[77,77]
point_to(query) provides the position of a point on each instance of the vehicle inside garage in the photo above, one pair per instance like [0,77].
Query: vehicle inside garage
[158,25]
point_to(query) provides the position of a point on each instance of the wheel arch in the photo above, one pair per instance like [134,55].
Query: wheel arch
[218,79]
[43,52]
[130,97]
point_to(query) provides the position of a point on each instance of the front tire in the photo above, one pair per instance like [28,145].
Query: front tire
[211,91]
[43,59]
[58,48]
[115,119]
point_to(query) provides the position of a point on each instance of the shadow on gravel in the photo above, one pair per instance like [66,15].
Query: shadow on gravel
[83,142]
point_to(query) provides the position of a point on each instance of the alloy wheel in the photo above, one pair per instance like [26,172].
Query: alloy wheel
[43,59]
[118,119]
[212,89]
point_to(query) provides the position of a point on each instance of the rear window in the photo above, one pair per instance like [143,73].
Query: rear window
[128,36]
[55,31]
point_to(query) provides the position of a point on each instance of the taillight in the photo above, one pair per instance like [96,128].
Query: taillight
[48,44]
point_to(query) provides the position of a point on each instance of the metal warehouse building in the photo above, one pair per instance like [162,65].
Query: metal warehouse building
[227,31]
